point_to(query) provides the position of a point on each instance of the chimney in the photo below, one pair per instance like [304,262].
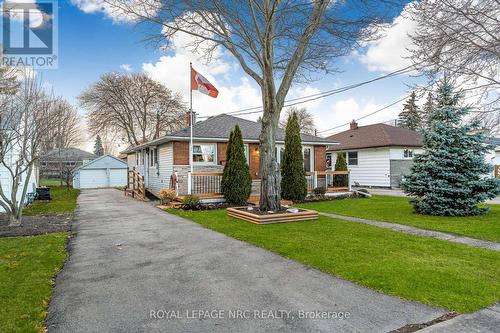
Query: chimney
[188,120]
[353,124]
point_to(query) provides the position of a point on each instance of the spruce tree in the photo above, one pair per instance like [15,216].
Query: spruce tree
[410,116]
[340,165]
[426,111]
[98,148]
[294,182]
[450,177]
[236,183]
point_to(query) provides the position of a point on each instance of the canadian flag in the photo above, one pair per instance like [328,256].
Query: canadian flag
[200,83]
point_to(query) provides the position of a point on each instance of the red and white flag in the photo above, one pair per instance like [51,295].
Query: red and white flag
[200,83]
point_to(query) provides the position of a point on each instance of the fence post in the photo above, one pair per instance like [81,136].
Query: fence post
[190,182]
[315,179]
[349,180]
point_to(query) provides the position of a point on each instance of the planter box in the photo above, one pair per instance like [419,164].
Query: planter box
[259,218]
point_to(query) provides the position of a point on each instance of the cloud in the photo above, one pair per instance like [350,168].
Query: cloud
[126,67]
[145,8]
[390,52]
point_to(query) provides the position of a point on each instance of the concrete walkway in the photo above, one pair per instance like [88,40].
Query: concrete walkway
[400,193]
[486,320]
[421,232]
[132,266]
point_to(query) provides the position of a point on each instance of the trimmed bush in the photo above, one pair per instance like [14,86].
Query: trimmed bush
[319,191]
[340,165]
[236,183]
[293,182]
[190,202]
[166,195]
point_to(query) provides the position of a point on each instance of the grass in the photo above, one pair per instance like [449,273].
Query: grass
[398,210]
[50,182]
[27,269]
[439,273]
[63,201]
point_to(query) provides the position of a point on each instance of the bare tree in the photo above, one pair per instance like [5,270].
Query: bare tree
[25,117]
[66,130]
[132,106]
[462,39]
[305,118]
[275,42]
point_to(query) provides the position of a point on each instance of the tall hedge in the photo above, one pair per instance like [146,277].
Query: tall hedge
[340,165]
[293,182]
[236,183]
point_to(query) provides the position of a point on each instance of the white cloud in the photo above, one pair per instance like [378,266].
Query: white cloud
[389,53]
[145,8]
[126,67]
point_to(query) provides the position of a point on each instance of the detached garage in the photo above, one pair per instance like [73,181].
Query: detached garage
[105,171]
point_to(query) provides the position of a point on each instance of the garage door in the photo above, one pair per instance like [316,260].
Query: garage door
[117,177]
[93,178]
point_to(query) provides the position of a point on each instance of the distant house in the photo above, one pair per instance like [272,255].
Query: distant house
[62,160]
[164,162]
[377,155]
[493,156]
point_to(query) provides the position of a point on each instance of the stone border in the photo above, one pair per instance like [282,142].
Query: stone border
[303,215]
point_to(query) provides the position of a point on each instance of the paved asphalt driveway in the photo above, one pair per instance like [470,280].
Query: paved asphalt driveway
[131,262]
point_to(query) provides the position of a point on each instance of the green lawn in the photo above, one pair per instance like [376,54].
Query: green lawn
[440,273]
[50,182]
[398,210]
[27,268]
[63,201]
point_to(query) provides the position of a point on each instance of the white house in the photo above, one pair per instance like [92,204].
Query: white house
[105,171]
[493,156]
[377,155]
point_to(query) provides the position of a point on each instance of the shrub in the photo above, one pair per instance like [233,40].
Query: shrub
[166,195]
[190,202]
[236,183]
[340,165]
[319,191]
[294,182]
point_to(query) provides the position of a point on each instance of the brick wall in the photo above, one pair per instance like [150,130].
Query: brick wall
[319,158]
[181,153]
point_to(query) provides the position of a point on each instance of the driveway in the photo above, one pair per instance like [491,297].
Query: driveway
[132,266]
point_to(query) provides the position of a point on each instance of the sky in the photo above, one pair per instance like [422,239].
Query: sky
[93,41]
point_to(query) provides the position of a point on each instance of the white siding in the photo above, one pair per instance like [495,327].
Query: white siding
[373,167]
[396,153]
[93,178]
[6,179]
[159,176]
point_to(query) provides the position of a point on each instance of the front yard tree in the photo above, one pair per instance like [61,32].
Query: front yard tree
[426,111]
[294,183]
[450,176]
[340,165]
[410,116]
[236,183]
[274,42]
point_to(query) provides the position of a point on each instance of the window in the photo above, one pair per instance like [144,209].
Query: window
[204,153]
[328,161]
[247,154]
[408,153]
[307,159]
[351,158]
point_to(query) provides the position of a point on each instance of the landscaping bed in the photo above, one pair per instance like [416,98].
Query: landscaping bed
[398,210]
[448,275]
[36,225]
[258,216]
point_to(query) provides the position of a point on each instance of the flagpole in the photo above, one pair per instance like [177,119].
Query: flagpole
[190,126]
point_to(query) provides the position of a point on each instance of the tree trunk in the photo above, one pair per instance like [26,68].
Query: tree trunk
[15,219]
[270,186]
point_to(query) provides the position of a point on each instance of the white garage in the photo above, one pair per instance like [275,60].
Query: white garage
[105,171]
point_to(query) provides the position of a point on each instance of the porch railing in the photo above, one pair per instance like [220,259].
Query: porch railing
[209,183]
[135,184]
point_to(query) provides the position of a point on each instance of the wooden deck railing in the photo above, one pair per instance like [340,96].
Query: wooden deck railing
[135,185]
[206,184]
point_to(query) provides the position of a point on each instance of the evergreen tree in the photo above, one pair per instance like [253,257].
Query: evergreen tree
[340,165]
[236,183]
[426,111]
[293,183]
[98,148]
[410,116]
[449,177]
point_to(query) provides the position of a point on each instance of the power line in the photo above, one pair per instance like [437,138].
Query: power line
[312,97]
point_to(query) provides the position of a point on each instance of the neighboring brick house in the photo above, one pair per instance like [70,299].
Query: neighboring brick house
[377,155]
[160,159]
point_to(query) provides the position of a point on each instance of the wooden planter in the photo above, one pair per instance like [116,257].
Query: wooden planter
[247,215]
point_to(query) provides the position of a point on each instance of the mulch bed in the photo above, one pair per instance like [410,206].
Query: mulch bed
[415,327]
[36,225]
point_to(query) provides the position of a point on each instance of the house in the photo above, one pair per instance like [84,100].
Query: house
[164,162]
[493,156]
[59,162]
[104,171]
[377,155]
